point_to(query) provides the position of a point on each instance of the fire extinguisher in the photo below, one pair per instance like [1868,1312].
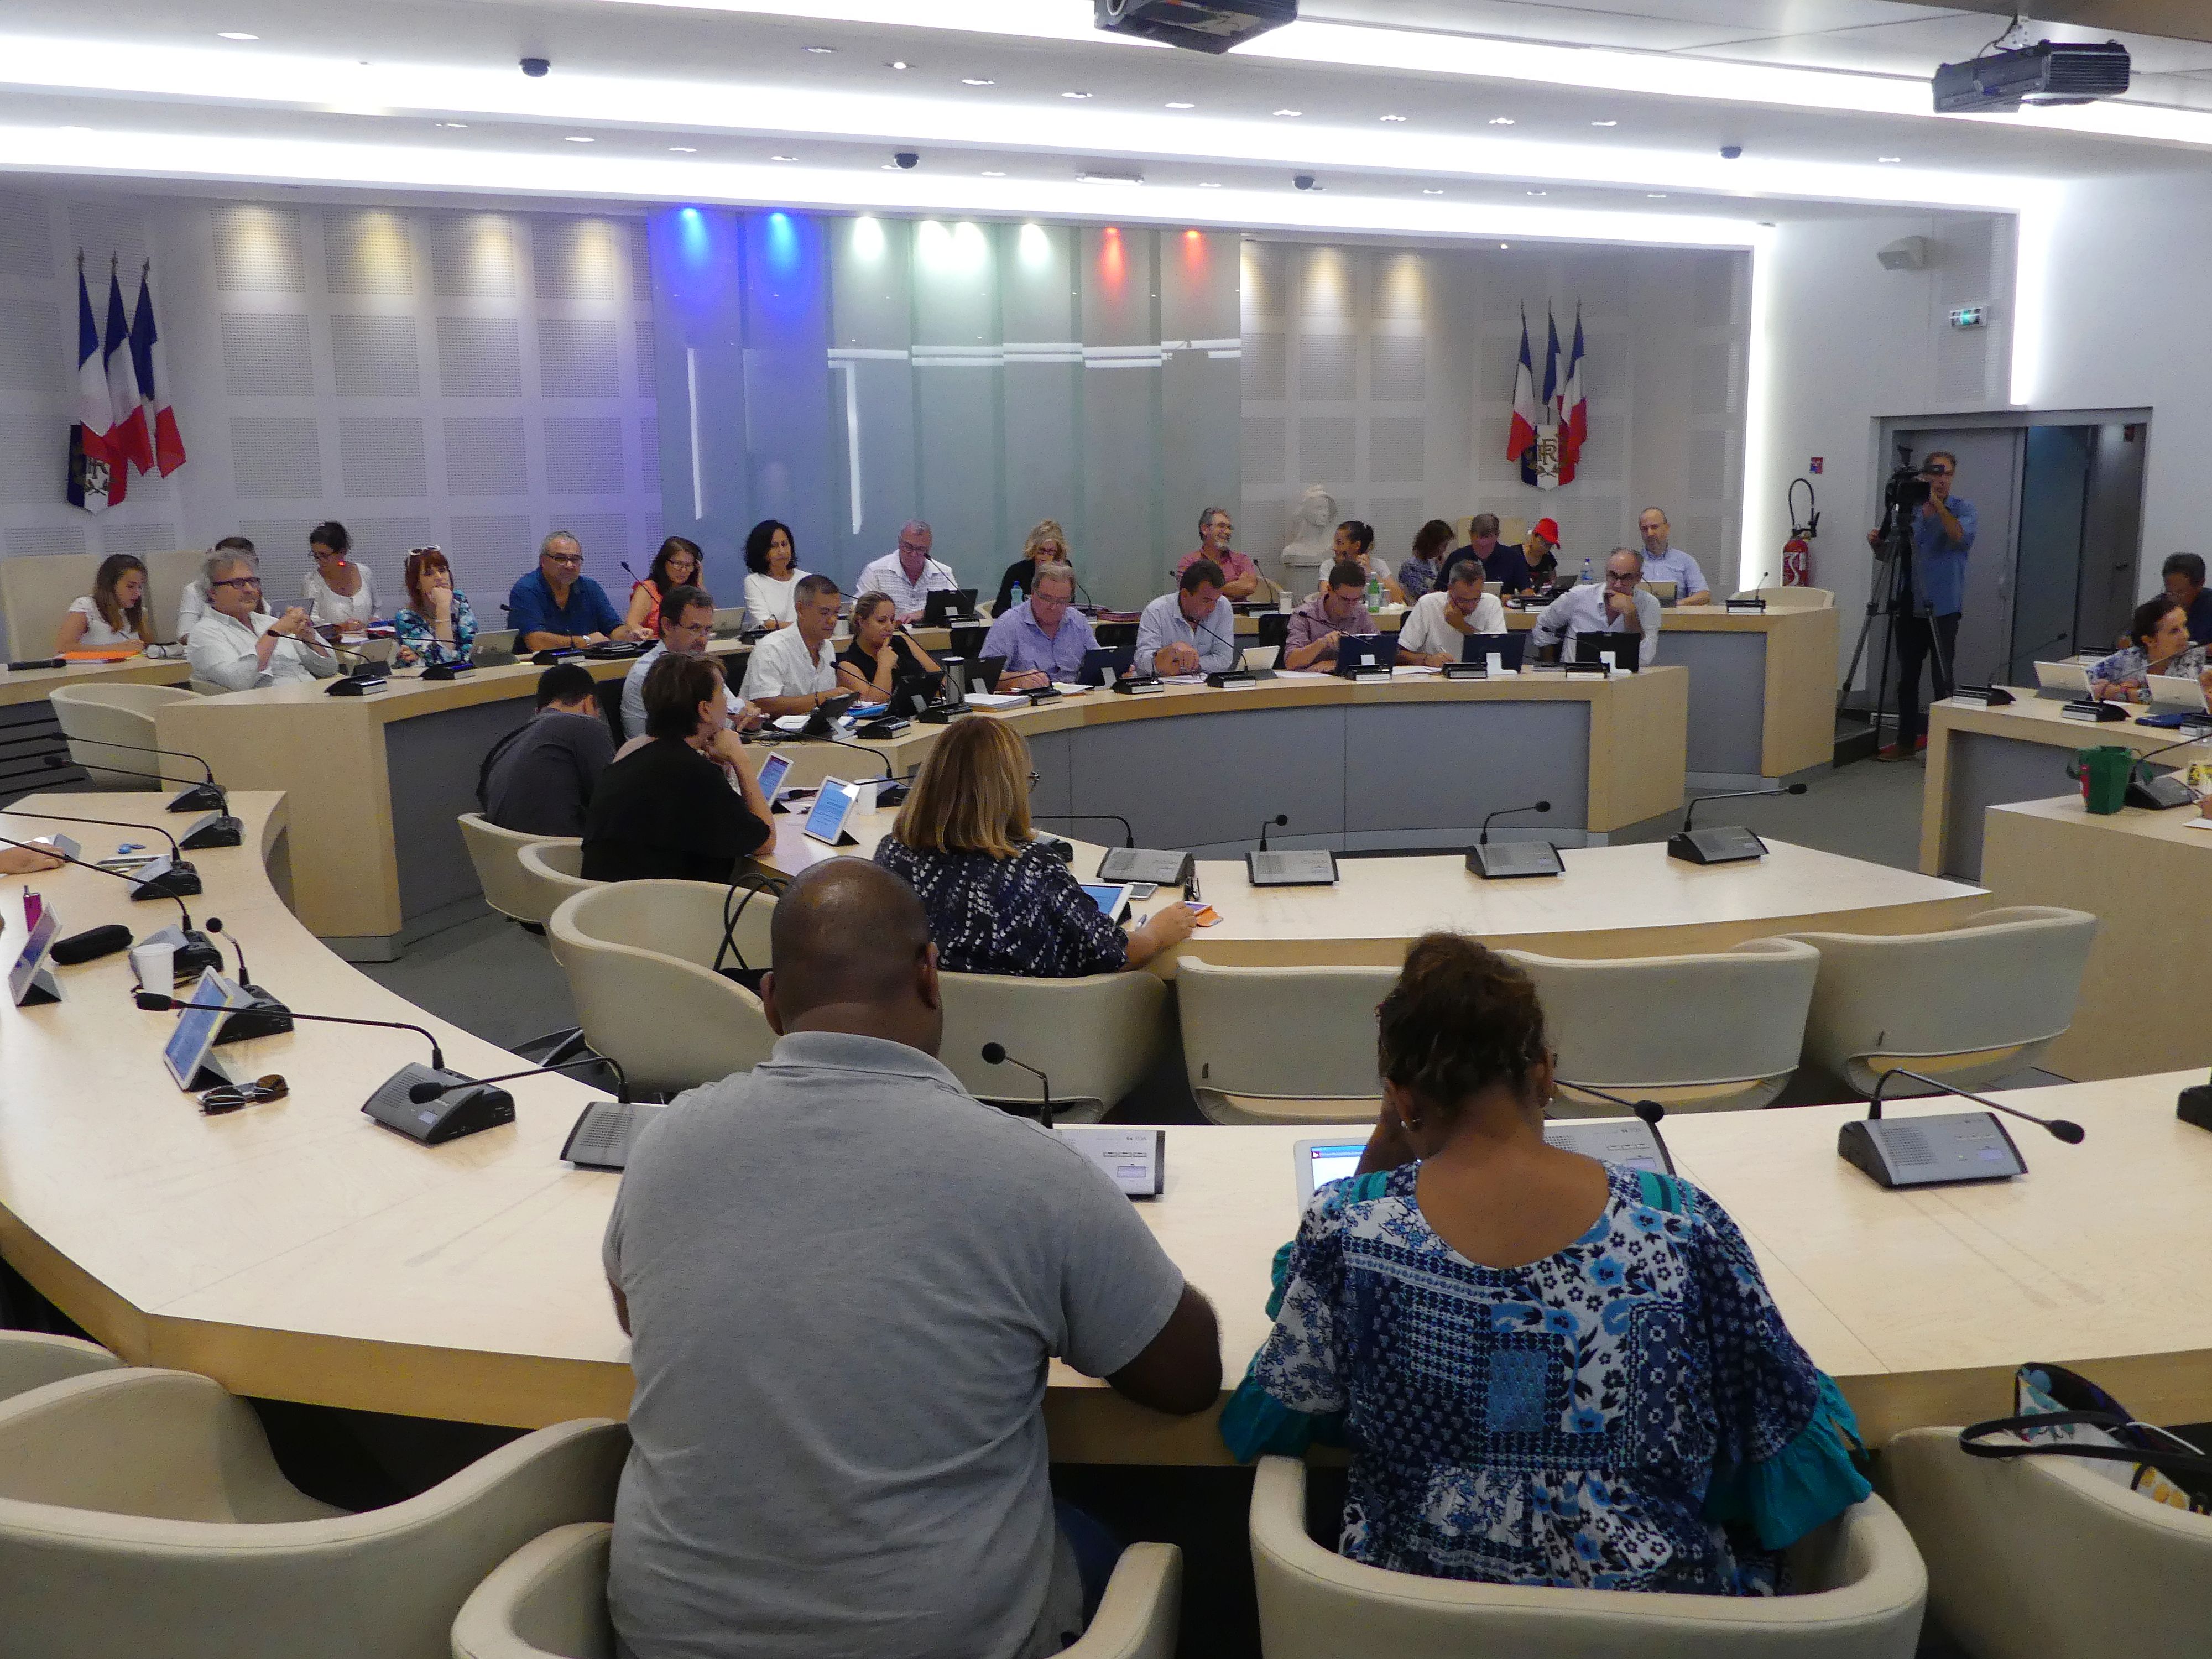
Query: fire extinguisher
[1797,551]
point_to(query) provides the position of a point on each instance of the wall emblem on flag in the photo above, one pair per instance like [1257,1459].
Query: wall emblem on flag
[124,417]
[1548,432]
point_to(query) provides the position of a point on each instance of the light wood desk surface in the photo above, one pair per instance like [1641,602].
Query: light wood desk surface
[1630,901]
[2147,876]
[37,685]
[297,1251]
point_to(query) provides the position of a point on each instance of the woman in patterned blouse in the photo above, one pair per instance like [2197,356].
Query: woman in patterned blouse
[436,625]
[1550,1370]
[2158,643]
[999,901]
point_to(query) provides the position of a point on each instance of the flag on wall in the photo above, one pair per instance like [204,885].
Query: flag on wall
[93,481]
[152,369]
[1574,409]
[127,442]
[1520,442]
[1549,447]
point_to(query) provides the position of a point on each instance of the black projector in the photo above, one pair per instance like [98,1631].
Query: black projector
[1212,26]
[2048,72]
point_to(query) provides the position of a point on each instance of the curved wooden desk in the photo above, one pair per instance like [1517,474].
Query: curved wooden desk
[375,783]
[297,1251]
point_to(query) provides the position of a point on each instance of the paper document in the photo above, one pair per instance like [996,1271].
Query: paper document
[996,700]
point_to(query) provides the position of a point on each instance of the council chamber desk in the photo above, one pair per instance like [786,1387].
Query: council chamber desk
[296,1251]
[29,730]
[375,784]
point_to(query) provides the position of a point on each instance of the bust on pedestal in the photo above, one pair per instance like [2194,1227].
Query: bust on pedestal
[1312,541]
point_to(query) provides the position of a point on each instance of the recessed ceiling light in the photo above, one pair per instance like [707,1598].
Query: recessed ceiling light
[993,173]
[1605,124]
[894,65]
[456,127]
[783,158]
[1426,192]
[72,128]
[1540,192]
[579,139]
[1501,120]
[1208,184]
[1289,112]
[976,80]
[1655,195]
[683,149]
[1396,118]
[235,35]
[1889,158]
[1502,247]
[1075,94]
[823,52]
[1181,105]
[1109,178]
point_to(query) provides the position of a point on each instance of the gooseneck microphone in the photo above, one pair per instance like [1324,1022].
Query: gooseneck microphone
[1128,835]
[1650,1110]
[1508,811]
[156,1002]
[995,1053]
[219,830]
[2058,1128]
[197,951]
[205,796]
[264,1016]
[1690,811]
[187,877]
[1236,664]
[423,1093]
[1275,822]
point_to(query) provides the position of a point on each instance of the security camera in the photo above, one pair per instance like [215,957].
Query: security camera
[537,68]
[908,159]
[1731,152]
[1303,181]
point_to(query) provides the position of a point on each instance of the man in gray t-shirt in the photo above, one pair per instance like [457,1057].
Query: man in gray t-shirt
[845,1278]
[538,780]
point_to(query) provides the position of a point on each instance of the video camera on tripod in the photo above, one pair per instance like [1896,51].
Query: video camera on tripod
[1905,493]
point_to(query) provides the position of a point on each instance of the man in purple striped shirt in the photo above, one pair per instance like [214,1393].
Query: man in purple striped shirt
[1338,609]
[1044,637]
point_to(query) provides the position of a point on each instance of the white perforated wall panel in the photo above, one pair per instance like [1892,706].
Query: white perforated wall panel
[266,354]
[381,456]
[26,235]
[375,356]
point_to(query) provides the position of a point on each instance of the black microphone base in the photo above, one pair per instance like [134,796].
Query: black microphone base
[1728,844]
[1506,861]
[2161,794]
[225,831]
[2196,1107]
[467,1109]
[945,716]
[200,798]
[197,953]
[180,880]
[1945,1151]
[262,1017]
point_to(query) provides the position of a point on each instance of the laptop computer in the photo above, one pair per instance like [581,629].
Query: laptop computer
[2062,680]
[1480,647]
[2176,694]
[1366,653]
[1627,649]
[948,605]
[1625,1140]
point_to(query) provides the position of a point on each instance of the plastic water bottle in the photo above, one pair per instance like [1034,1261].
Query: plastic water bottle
[1374,591]
[1018,593]
[1586,573]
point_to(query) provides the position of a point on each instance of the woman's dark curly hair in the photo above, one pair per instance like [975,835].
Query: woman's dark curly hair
[1460,1019]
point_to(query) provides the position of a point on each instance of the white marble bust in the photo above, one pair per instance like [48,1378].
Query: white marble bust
[1313,538]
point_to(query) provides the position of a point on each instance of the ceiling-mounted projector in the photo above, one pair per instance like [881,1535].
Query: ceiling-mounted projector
[2048,72]
[1212,26]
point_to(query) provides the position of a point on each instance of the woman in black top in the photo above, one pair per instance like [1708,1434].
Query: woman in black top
[879,652]
[685,806]
[1048,545]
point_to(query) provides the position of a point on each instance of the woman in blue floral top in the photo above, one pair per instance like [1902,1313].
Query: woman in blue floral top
[999,901]
[2158,636]
[1550,1370]
[436,625]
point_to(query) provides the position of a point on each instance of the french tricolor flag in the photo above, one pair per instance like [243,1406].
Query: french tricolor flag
[127,439]
[1574,403]
[94,479]
[1520,442]
[152,369]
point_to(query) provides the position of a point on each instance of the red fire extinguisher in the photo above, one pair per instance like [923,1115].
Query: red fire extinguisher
[1797,551]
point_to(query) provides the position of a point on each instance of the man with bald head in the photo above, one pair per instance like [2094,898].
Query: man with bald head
[843,1278]
[909,575]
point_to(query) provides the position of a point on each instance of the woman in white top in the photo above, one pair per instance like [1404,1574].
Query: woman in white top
[116,615]
[772,574]
[339,592]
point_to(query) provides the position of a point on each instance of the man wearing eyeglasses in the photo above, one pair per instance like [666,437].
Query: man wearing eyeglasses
[1617,604]
[1942,535]
[237,647]
[687,623]
[556,606]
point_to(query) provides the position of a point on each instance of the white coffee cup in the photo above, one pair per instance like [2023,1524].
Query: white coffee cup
[155,966]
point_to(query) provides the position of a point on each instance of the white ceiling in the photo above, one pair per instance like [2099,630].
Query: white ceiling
[692,102]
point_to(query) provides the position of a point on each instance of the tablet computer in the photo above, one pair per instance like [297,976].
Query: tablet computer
[1625,649]
[186,1053]
[773,770]
[1111,897]
[1480,647]
[1319,1162]
[832,807]
[1366,653]
[24,972]
[942,605]
[2176,691]
[1102,665]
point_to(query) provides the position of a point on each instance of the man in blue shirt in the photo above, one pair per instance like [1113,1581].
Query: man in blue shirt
[1044,637]
[557,606]
[2184,576]
[1942,535]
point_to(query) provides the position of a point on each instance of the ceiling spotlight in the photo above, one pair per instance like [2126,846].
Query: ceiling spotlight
[783,158]
[1181,105]
[1289,112]
[976,80]
[1075,94]
[1428,192]
[1109,178]
[683,149]
[235,35]
[456,126]
[1605,124]
[823,52]
[1501,120]
[1208,184]
[72,128]
[579,139]
[1887,159]
[894,65]
[1396,118]
[1502,247]
[1540,192]
[1655,195]
[993,173]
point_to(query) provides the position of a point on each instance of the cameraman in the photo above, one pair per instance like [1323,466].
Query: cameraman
[1942,535]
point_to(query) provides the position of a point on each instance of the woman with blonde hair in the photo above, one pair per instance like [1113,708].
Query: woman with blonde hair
[999,901]
[116,615]
[1047,544]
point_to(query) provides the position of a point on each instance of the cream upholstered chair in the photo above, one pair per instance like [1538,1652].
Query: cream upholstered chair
[30,1359]
[548,1601]
[640,958]
[1695,1033]
[497,855]
[141,1513]
[552,871]
[116,712]
[2047,1558]
[1281,1045]
[1863,1590]
[1095,1037]
[1970,1005]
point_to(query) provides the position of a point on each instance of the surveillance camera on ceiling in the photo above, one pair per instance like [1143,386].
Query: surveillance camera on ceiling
[1305,181]
[1211,26]
[1731,152]
[1905,253]
[908,159]
[537,68]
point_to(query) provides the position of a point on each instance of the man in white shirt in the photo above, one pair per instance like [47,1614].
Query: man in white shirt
[1663,563]
[192,601]
[1192,630]
[687,621]
[1436,630]
[1619,604]
[237,647]
[794,669]
[909,575]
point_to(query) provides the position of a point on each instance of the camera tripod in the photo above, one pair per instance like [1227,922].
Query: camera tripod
[1892,596]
